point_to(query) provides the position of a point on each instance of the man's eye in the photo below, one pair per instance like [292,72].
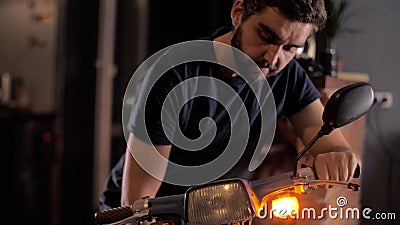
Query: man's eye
[291,49]
[267,40]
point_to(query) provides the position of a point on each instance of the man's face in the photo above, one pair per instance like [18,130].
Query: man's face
[270,39]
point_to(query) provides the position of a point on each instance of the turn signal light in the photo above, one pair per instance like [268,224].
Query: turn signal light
[285,206]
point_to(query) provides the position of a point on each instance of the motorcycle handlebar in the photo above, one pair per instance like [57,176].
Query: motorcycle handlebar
[120,215]
[113,215]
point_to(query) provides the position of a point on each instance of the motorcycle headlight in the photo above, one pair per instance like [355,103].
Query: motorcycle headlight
[221,202]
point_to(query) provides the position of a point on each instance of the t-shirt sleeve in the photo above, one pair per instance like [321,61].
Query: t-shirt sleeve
[146,120]
[300,90]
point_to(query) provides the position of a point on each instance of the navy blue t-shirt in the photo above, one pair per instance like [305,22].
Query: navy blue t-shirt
[189,112]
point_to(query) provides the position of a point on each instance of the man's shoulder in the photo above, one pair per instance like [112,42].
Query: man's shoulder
[294,67]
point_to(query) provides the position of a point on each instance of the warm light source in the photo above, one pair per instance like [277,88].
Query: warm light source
[285,206]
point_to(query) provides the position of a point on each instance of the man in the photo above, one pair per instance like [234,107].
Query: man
[270,32]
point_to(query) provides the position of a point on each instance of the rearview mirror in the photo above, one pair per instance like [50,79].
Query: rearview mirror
[348,104]
[343,107]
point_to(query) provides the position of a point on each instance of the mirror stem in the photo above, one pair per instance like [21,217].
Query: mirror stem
[325,130]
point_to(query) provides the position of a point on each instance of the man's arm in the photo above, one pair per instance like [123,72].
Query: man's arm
[137,183]
[331,155]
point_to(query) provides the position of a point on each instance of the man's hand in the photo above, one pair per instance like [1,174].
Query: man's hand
[338,166]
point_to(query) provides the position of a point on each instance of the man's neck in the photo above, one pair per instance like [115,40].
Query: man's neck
[225,54]
[225,38]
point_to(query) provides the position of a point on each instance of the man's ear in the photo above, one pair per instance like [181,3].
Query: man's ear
[237,12]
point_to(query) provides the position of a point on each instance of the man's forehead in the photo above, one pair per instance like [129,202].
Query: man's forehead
[272,21]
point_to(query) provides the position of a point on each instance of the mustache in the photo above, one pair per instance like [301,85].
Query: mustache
[272,68]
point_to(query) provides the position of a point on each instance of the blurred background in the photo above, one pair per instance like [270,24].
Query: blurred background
[64,67]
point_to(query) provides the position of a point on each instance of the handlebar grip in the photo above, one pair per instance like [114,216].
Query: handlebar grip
[113,215]
[357,171]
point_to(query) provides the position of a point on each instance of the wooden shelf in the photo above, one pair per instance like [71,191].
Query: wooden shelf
[342,79]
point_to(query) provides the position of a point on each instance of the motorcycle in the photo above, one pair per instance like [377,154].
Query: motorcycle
[236,201]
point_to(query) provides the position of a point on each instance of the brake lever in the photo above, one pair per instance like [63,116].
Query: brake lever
[348,185]
[316,182]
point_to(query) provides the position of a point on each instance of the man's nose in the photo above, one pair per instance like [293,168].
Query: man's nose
[272,54]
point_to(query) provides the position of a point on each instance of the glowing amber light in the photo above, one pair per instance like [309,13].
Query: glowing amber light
[226,187]
[283,207]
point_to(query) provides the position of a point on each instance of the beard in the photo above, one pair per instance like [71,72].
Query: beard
[237,43]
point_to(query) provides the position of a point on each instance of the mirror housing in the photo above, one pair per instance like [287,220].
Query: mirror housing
[348,104]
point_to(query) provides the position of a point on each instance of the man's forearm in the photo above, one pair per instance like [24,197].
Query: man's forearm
[136,182]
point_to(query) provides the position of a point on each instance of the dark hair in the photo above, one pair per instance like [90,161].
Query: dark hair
[304,11]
